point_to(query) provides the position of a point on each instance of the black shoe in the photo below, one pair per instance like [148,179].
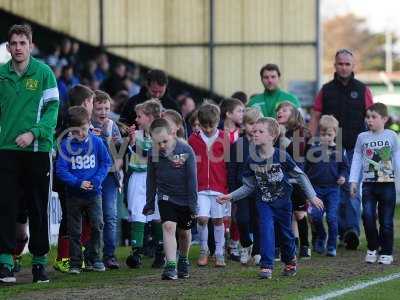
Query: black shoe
[351,240]
[183,268]
[169,273]
[159,257]
[6,276]
[39,274]
[134,260]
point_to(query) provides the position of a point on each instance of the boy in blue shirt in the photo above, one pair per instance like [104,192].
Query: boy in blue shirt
[83,164]
[267,172]
[327,169]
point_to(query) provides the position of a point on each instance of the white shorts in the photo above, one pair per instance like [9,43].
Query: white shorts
[209,207]
[156,215]
[228,209]
[137,199]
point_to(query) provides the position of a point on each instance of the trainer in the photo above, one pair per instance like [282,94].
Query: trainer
[28,113]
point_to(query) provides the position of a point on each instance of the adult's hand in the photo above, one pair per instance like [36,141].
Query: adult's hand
[25,139]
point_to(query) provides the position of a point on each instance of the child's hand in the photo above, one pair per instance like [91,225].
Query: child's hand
[86,185]
[148,210]
[353,189]
[96,131]
[132,134]
[341,180]
[317,203]
[222,199]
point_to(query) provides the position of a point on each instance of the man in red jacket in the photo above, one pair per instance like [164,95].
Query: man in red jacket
[209,145]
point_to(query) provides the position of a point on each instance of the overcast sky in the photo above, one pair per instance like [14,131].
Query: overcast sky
[380,14]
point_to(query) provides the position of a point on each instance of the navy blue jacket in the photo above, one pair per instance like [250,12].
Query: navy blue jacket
[326,165]
[239,154]
[79,161]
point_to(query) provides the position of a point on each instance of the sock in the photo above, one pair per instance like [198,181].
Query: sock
[234,230]
[171,264]
[182,258]
[63,247]
[39,260]
[203,235]
[227,226]
[303,232]
[157,233]
[7,260]
[137,233]
[219,239]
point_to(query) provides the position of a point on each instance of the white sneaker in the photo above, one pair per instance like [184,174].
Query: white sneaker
[257,259]
[385,259]
[244,255]
[371,257]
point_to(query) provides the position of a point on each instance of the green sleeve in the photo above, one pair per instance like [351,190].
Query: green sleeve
[47,124]
[44,129]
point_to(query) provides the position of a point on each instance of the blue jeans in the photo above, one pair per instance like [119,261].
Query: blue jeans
[330,198]
[349,212]
[279,212]
[109,195]
[383,195]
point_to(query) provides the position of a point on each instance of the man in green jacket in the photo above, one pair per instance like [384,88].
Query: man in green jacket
[28,113]
[273,95]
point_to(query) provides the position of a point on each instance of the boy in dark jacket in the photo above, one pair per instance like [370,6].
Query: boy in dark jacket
[172,178]
[327,169]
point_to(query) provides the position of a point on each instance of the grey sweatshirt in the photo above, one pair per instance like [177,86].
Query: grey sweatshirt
[173,177]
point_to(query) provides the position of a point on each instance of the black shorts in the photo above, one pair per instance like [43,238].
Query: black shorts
[172,212]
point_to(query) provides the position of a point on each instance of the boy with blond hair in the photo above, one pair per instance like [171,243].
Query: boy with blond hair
[327,169]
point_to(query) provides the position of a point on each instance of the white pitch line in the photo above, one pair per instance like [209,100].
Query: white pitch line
[356,287]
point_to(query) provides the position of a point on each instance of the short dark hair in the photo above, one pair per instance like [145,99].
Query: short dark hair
[157,76]
[240,96]
[160,123]
[208,115]
[229,105]
[78,116]
[19,29]
[379,108]
[101,97]
[270,67]
[78,94]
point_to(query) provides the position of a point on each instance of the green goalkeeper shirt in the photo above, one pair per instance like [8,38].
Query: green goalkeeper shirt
[28,103]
